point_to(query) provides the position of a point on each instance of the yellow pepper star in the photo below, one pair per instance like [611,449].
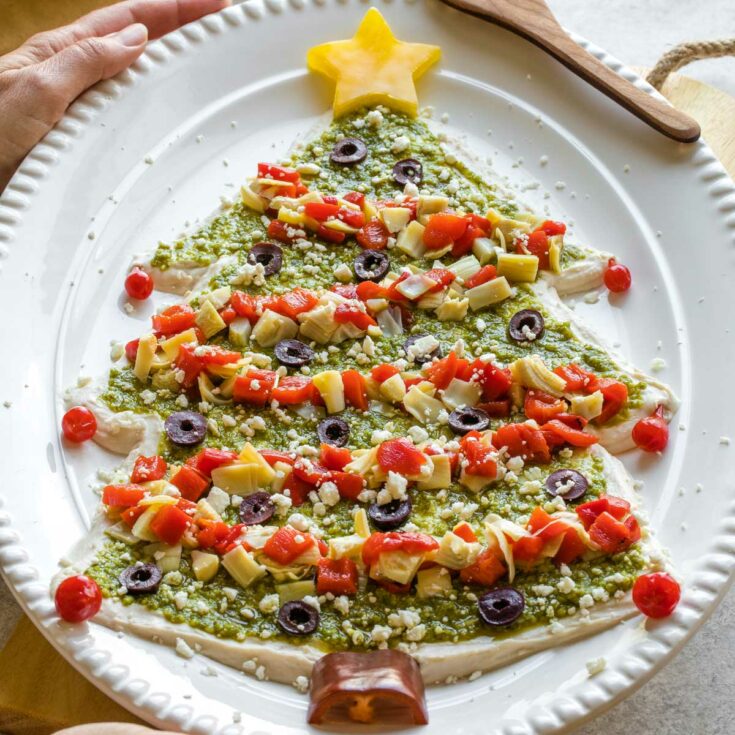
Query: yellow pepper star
[373,67]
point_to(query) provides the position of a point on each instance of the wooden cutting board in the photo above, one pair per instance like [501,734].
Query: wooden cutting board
[39,691]
[20,19]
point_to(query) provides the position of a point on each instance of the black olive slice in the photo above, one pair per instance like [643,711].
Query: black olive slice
[141,579]
[408,170]
[334,431]
[465,419]
[501,606]
[185,428]
[348,151]
[257,508]
[267,254]
[526,325]
[422,359]
[297,617]
[567,484]
[391,515]
[293,353]
[371,265]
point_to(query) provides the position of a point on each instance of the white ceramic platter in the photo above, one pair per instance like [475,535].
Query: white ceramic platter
[144,154]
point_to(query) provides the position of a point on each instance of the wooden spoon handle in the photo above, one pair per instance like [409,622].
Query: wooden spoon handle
[533,20]
[655,112]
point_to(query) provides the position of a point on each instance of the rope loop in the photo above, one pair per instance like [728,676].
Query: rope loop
[685,53]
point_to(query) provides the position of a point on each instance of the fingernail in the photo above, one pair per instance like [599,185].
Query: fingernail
[133,35]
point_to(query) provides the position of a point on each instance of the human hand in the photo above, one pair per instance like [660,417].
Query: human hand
[39,80]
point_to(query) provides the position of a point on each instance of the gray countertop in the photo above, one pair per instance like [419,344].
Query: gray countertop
[693,695]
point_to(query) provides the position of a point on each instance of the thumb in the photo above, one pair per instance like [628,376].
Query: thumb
[58,81]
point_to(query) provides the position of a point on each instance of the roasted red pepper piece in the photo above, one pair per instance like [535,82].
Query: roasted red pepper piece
[146,469]
[379,686]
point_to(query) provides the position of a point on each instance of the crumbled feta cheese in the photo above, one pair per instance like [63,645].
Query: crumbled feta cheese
[301,684]
[395,489]
[416,633]
[380,633]
[147,396]
[596,666]
[400,144]
[658,364]
[565,585]
[542,590]
[269,604]
[374,118]
[282,502]
[379,436]
[183,649]
[586,601]
[343,273]
[329,494]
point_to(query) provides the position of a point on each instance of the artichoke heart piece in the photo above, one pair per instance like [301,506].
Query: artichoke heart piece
[363,464]
[431,204]
[456,553]
[120,532]
[530,372]
[291,217]
[588,407]
[465,267]
[330,387]
[171,345]
[339,226]
[239,331]
[360,521]
[431,300]
[158,500]
[489,293]
[415,286]
[204,565]
[209,392]
[167,558]
[272,327]
[166,379]
[398,566]
[346,547]
[251,200]
[208,320]
[483,248]
[422,406]
[295,590]
[218,297]
[411,239]
[509,228]
[475,483]
[390,322]
[251,455]
[144,358]
[319,324]
[433,582]
[142,528]
[395,218]
[441,475]
[556,247]
[206,510]
[237,479]
[518,268]
[452,310]
[242,567]
[461,393]
[393,389]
